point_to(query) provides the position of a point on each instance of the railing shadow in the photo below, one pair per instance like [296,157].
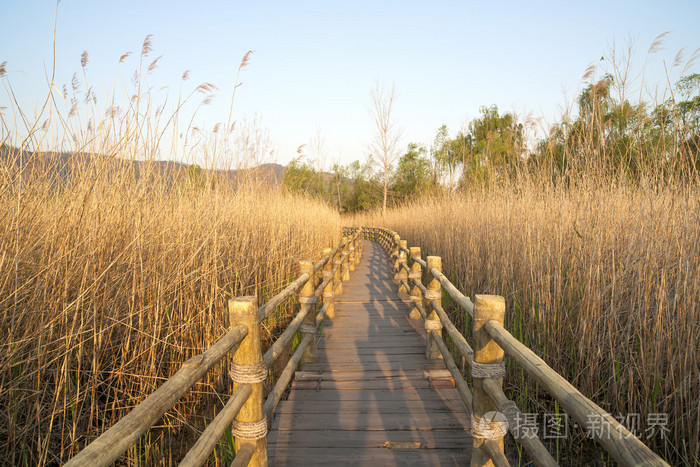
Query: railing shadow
[388,396]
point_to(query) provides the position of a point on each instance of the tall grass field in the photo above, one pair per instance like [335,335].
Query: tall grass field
[116,262]
[115,268]
[602,282]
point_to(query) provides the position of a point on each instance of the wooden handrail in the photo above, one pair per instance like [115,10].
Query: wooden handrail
[460,383]
[208,440]
[268,308]
[539,454]
[115,441]
[624,447]
[285,338]
[285,377]
[456,295]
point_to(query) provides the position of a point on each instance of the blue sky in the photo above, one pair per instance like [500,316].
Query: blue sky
[316,62]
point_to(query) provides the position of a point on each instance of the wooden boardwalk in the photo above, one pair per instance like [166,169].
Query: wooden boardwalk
[372,397]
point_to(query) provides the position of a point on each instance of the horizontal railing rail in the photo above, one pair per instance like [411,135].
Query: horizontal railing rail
[492,412]
[246,411]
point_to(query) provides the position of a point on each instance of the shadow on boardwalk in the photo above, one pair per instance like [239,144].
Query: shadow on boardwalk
[370,398]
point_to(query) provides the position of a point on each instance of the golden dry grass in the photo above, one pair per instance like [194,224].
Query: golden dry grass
[115,269]
[603,283]
[106,289]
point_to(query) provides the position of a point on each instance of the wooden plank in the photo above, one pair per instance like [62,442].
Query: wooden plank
[295,456]
[399,338]
[378,395]
[372,397]
[380,361]
[390,384]
[359,308]
[370,351]
[371,366]
[339,357]
[370,320]
[344,375]
[365,406]
[372,329]
[372,421]
[373,332]
[436,439]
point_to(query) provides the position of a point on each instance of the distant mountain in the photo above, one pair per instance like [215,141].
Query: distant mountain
[270,174]
[66,164]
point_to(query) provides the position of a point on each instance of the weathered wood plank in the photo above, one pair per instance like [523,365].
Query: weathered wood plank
[436,439]
[380,361]
[364,406]
[392,340]
[379,384]
[370,366]
[369,351]
[343,375]
[372,421]
[377,395]
[370,456]
[372,397]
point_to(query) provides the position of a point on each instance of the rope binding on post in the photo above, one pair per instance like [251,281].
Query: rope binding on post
[513,415]
[250,431]
[249,374]
[433,325]
[488,370]
[433,294]
[493,425]
[308,328]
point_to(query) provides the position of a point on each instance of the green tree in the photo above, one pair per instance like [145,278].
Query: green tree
[300,177]
[413,173]
[492,149]
[367,192]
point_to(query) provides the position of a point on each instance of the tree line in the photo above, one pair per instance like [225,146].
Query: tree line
[605,136]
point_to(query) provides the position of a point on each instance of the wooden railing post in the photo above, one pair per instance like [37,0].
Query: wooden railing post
[358,246]
[248,367]
[402,274]
[395,256]
[337,261]
[487,423]
[344,270]
[432,322]
[352,250]
[306,297]
[328,295]
[416,273]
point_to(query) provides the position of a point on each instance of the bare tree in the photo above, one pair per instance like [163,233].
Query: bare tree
[384,148]
[317,145]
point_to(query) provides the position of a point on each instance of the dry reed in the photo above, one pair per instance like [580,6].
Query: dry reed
[115,268]
[603,283]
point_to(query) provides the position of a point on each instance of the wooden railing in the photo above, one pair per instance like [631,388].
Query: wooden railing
[492,412]
[247,411]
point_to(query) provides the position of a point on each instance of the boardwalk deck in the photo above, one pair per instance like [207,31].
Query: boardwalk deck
[372,397]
